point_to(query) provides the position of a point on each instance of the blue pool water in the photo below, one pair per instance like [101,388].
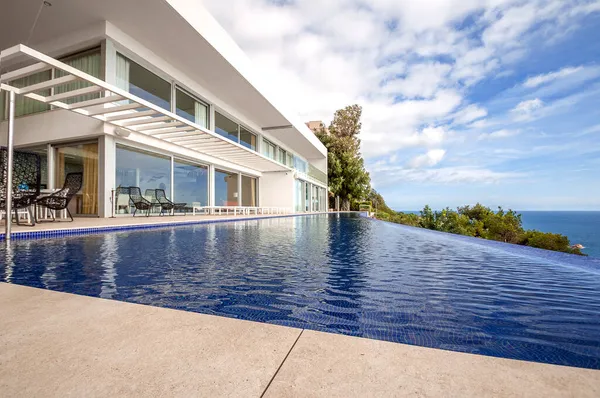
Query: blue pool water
[342,274]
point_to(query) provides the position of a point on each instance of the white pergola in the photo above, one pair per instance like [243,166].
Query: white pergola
[116,107]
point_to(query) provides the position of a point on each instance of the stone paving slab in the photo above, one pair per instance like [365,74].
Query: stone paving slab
[330,365]
[62,345]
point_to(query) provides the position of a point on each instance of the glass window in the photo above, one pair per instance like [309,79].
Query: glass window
[226,127]
[226,188]
[300,165]
[299,195]
[248,191]
[88,62]
[141,82]
[191,109]
[191,183]
[135,168]
[247,139]
[27,106]
[290,160]
[282,156]
[269,149]
[80,158]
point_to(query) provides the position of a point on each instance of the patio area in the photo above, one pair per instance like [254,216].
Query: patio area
[94,224]
[56,344]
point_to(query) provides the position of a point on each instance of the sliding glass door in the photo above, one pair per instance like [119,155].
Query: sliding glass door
[79,158]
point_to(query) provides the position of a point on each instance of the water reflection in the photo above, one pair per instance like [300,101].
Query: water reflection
[340,274]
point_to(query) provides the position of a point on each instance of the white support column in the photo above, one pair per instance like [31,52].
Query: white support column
[172,193]
[239,189]
[106,174]
[211,185]
[50,166]
[9,149]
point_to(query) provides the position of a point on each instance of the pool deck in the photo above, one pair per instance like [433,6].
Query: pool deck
[87,223]
[59,345]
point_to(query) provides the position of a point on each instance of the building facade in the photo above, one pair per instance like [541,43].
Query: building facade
[234,144]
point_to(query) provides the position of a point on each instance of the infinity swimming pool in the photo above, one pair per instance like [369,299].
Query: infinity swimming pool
[341,274]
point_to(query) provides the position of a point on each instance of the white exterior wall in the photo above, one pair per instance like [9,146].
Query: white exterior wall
[52,126]
[276,189]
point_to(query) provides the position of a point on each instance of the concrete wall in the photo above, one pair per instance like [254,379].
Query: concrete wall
[276,189]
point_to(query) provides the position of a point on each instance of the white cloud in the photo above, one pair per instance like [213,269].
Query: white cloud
[387,176]
[469,114]
[525,109]
[504,133]
[429,159]
[548,77]
[410,64]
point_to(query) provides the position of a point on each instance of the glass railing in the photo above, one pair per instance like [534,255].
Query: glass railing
[317,174]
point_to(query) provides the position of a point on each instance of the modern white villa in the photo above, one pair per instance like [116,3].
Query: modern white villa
[152,94]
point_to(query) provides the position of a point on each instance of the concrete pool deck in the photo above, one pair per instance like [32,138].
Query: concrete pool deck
[57,344]
[104,224]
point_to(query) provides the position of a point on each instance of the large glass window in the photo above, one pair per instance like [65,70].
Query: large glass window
[89,62]
[27,106]
[299,203]
[300,165]
[190,183]
[135,168]
[139,81]
[226,127]
[269,149]
[247,139]
[248,191]
[80,158]
[226,188]
[191,109]
[282,156]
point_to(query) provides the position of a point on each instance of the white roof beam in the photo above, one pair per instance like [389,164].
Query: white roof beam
[47,84]
[28,70]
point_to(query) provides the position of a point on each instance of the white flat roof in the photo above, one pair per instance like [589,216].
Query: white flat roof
[181,32]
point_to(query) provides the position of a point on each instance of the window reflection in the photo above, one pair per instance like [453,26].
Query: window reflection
[190,183]
[191,109]
[247,139]
[226,127]
[135,168]
[226,188]
[139,81]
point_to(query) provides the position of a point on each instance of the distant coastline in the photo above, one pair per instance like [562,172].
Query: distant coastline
[581,227]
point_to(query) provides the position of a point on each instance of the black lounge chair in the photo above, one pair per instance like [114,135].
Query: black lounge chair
[166,204]
[26,182]
[139,202]
[60,200]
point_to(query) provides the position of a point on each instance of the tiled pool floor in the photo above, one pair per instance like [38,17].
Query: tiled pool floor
[57,344]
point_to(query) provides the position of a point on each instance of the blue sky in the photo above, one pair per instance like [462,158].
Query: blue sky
[464,101]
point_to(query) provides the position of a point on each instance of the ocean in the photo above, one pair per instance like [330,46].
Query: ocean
[581,227]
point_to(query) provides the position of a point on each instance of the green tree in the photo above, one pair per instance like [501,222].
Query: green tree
[347,175]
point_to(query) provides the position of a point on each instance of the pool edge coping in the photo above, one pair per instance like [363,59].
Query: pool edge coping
[81,231]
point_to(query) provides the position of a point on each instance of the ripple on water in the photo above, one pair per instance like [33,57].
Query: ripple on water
[341,274]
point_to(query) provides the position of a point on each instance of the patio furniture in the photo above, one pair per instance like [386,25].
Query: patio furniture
[60,200]
[166,204]
[139,202]
[123,203]
[26,181]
